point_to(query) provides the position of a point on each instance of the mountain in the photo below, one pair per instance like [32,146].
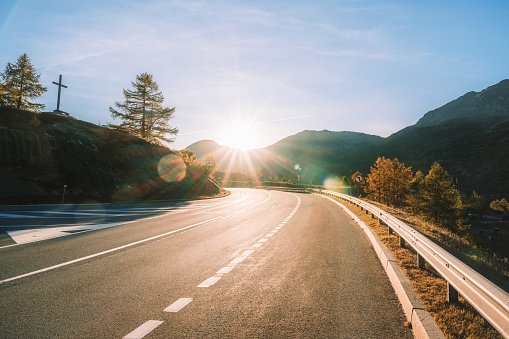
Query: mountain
[40,153]
[468,136]
[491,104]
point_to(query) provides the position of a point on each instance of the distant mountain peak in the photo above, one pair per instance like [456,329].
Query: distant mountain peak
[490,103]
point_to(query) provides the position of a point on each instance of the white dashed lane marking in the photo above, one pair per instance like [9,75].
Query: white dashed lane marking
[225,270]
[144,329]
[150,325]
[178,305]
[209,282]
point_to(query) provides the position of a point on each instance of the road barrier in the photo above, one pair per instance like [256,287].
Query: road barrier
[487,298]
[286,189]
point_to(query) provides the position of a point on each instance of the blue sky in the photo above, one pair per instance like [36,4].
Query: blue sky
[249,73]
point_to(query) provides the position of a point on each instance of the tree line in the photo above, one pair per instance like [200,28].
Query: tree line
[434,196]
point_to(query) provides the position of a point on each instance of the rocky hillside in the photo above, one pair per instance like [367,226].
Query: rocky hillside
[40,153]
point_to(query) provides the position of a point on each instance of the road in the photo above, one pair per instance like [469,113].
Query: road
[255,264]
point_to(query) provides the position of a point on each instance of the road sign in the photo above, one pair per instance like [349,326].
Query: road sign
[358,178]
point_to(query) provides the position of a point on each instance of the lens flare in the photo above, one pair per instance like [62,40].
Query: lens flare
[171,168]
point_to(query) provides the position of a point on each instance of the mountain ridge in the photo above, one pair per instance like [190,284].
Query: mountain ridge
[469,136]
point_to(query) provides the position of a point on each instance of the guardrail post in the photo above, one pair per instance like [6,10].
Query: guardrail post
[452,294]
[401,241]
[420,260]
[388,228]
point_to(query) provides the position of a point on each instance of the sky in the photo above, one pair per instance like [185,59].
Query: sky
[249,73]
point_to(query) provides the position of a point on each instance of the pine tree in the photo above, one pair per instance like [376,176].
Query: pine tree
[440,201]
[142,113]
[20,82]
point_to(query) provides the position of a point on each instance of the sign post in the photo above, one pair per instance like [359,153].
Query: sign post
[63,196]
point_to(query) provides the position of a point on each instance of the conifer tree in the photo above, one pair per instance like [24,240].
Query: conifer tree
[142,112]
[440,201]
[20,83]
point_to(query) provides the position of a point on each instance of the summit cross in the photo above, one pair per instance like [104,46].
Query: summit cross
[59,84]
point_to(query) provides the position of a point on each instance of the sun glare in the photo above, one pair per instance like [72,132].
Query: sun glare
[241,136]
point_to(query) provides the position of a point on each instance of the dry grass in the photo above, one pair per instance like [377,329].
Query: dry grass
[456,320]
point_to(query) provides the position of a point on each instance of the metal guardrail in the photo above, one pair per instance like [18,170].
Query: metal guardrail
[487,298]
[287,189]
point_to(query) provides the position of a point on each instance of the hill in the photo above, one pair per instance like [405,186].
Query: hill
[40,153]
[468,136]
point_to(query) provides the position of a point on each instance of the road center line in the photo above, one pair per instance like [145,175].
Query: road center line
[225,270]
[209,282]
[144,329]
[178,305]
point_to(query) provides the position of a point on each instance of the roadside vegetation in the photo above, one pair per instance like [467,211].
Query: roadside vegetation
[456,320]
[469,227]
[431,204]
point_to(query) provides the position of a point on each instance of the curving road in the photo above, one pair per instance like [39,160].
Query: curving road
[255,264]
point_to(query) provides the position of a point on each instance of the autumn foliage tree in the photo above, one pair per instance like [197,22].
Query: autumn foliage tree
[501,205]
[389,182]
[142,112]
[19,84]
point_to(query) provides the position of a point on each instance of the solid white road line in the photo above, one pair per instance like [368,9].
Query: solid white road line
[125,246]
[209,282]
[178,305]
[144,329]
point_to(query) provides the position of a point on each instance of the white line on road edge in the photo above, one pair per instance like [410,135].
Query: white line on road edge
[144,329]
[178,305]
[209,282]
[121,247]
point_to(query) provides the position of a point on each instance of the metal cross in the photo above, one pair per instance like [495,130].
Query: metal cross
[59,84]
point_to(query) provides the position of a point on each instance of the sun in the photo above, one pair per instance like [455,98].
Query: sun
[240,135]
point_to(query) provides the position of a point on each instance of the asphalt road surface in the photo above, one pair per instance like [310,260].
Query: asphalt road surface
[255,264]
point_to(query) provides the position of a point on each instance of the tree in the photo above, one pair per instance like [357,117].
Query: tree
[500,205]
[415,191]
[142,113]
[389,182]
[20,82]
[478,204]
[210,164]
[439,201]
[187,155]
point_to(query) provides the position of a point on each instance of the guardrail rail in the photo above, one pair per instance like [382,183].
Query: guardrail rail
[487,298]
